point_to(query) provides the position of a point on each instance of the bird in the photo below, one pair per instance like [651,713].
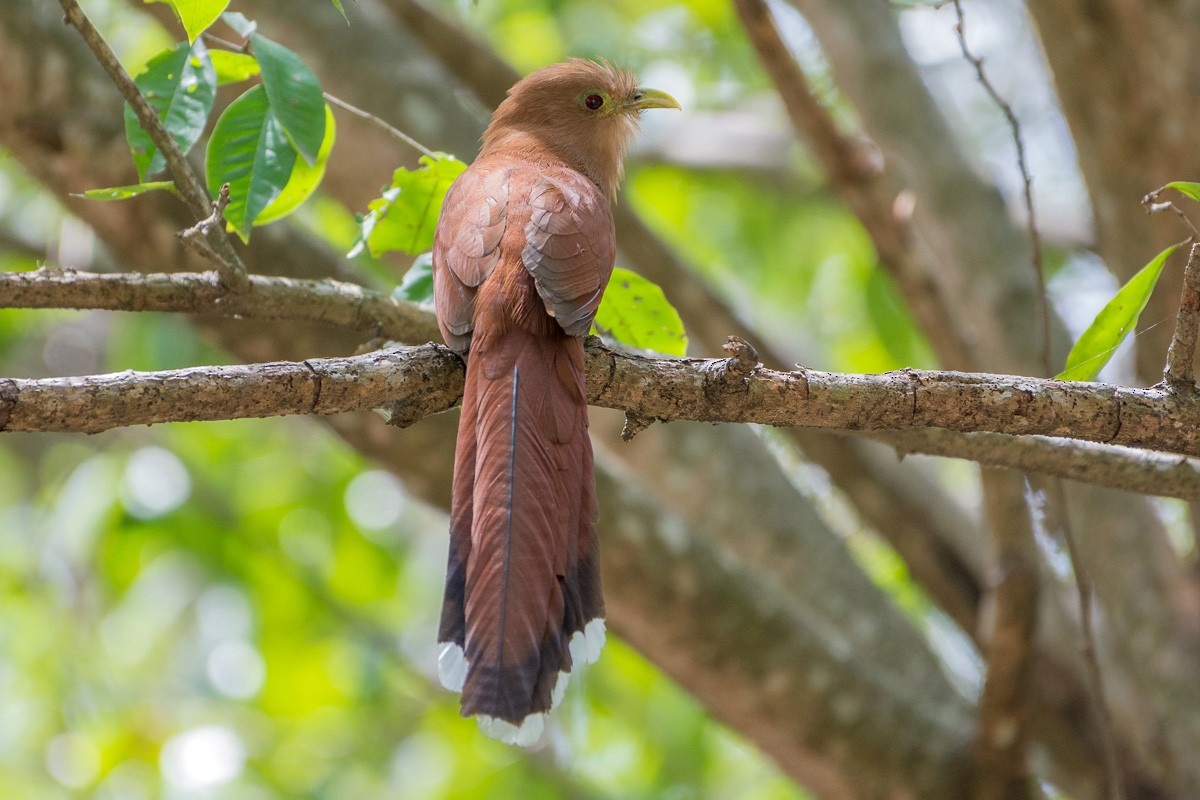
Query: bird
[523,250]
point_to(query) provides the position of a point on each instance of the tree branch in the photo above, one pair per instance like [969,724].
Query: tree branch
[344,304]
[703,390]
[1113,466]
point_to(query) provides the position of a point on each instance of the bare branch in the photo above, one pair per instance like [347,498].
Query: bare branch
[422,380]
[233,274]
[660,388]
[1113,466]
[344,304]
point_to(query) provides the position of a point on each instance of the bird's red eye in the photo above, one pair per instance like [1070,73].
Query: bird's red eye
[593,101]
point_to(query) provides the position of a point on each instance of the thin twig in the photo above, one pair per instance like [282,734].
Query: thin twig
[233,272]
[1154,205]
[395,132]
[1180,355]
[1090,655]
[1035,237]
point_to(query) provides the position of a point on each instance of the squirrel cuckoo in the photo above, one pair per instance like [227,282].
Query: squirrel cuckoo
[522,253]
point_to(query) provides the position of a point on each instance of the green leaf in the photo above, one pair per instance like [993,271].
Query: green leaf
[1188,188]
[405,217]
[233,67]
[1114,322]
[304,181]
[126,192]
[636,312]
[295,95]
[338,5]
[417,286]
[180,85]
[249,151]
[237,20]
[196,15]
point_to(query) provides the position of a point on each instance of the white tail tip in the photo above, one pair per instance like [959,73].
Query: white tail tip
[527,734]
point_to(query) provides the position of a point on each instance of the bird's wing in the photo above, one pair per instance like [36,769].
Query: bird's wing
[466,247]
[570,247]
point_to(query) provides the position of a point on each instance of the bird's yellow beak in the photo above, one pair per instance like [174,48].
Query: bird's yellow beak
[650,98]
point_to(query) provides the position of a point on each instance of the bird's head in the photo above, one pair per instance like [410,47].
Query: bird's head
[581,111]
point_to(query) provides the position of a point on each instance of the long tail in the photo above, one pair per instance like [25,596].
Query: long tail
[523,602]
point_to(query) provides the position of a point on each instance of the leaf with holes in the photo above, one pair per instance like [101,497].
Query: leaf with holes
[249,151]
[635,311]
[180,84]
[304,180]
[295,95]
[1114,322]
[406,216]
[196,15]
